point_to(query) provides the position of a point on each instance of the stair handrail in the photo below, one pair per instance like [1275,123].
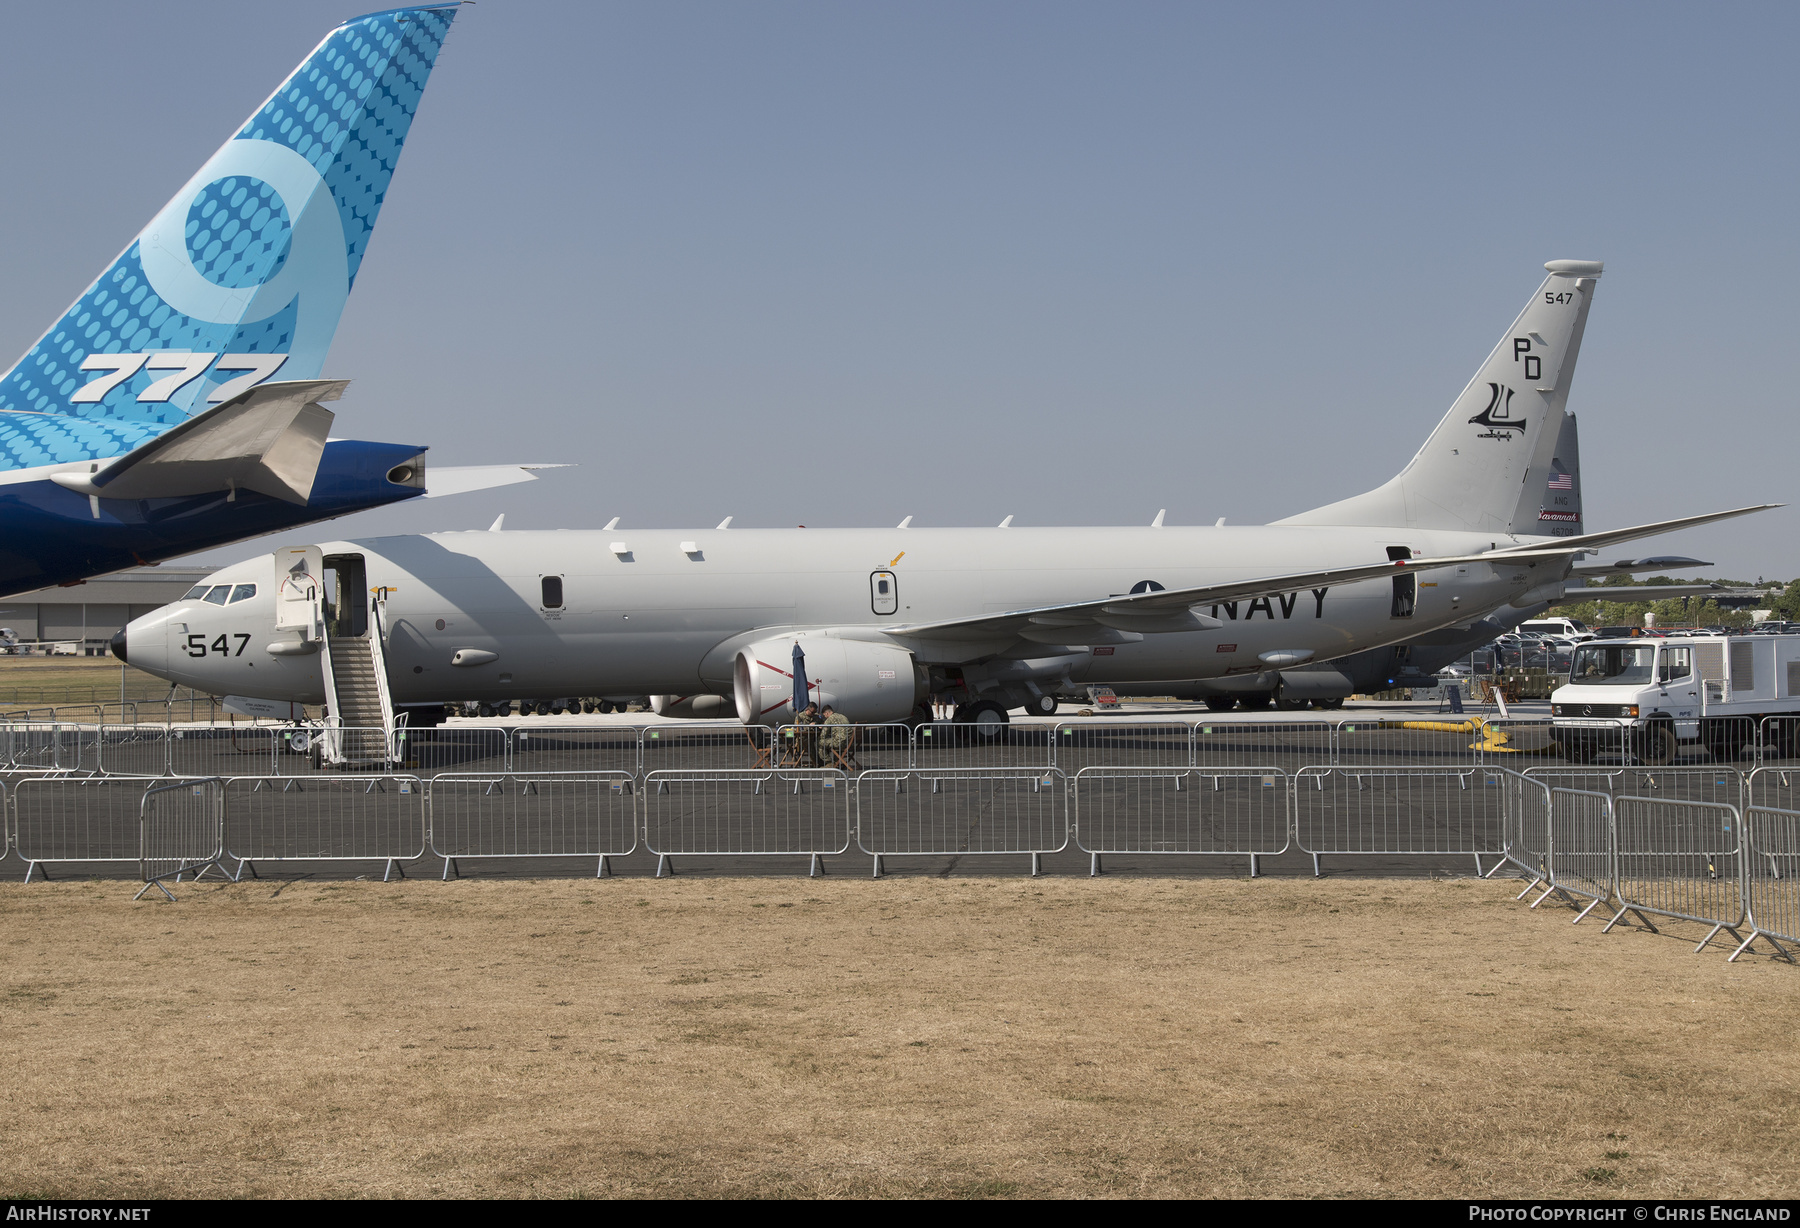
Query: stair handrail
[378,663]
[331,745]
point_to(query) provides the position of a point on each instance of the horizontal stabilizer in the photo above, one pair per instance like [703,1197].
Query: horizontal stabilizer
[461,479]
[268,440]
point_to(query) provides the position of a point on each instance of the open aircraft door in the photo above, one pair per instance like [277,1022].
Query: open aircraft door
[299,587]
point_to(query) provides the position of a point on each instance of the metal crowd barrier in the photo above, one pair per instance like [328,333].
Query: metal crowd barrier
[572,748]
[702,746]
[1078,746]
[982,746]
[1581,848]
[1771,882]
[1400,810]
[77,818]
[181,831]
[1233,812]
[771,812]
[1526,843]
[574,814]
[962,811]
[1679,859]
[333,817]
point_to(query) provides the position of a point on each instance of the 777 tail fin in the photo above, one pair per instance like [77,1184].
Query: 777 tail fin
[245,272]
[1505,424]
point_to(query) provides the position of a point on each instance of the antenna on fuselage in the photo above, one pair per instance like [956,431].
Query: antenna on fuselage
[1157,523]
[723,524]
[904,523]
[1007,523]
[611,524]
[498,521]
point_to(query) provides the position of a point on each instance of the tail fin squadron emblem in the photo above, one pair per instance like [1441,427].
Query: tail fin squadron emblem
[1497,417]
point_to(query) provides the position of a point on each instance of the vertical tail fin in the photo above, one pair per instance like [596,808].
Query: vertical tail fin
[1503,427]
[246,271]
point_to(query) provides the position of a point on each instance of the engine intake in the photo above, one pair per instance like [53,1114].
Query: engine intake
[870,683]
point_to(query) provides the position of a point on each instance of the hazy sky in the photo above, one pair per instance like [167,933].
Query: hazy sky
[838,264]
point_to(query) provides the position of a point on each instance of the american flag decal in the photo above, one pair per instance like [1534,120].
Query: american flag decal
[1562,481]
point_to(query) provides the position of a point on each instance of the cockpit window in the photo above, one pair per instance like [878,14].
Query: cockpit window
[195,593]
[219,594]
[243,592]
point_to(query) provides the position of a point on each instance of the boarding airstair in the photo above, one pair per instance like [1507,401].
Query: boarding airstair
[360,727]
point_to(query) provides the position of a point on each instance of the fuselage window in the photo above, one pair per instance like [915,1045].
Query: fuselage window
[553,594]
[243,592]
[219,595]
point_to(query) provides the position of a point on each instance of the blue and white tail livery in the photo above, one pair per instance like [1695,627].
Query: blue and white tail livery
[242,276]
[178,404]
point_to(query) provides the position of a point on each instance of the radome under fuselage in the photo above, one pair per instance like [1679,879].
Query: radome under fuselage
[656,618]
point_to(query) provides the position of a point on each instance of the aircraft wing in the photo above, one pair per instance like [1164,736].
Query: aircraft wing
[1162,611]
[460,479]
[1172,610]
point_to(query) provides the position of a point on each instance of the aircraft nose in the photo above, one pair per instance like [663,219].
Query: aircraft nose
[118,645]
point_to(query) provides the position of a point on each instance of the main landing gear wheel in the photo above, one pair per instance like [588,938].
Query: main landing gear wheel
[1257,699]
[1219,703]
[988,717]
[1330,704]
[1043,705]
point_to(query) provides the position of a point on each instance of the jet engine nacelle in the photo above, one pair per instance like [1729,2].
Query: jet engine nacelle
[694,707]
[870,683]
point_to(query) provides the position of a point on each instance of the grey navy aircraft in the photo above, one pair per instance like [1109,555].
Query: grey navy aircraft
[997,617]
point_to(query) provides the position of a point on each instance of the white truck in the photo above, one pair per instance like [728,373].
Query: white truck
[1643,697]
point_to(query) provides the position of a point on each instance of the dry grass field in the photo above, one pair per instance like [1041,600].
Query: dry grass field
[754,1037]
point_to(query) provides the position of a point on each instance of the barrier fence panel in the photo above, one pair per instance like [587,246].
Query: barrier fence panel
[764,813]
[181,831]
[134,750]
[453,748]
[326,817]
[1223,811]
[1772,877]
[1401,810]
[1779,742]
[1527,834]
[1286,747]
[1679,859]
[575,748]
[1776,788]
[77,818]
[222,750]
[959,811]
[1581,847]
[1717,783]
[849,748]
[1115,744]
[585,814]
[947,744]
[695,746]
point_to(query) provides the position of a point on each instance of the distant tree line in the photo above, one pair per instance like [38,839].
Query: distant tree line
[1678,612]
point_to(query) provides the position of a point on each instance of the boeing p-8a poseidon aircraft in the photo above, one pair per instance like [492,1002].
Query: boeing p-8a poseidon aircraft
[885,616]
[176,405]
